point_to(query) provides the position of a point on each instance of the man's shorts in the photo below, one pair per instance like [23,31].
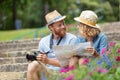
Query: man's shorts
[53,77]
[47,74]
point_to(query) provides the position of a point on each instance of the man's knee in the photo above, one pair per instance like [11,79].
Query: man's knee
[33,66]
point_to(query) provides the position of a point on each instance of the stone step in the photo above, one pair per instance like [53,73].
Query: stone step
[19,53]
[110,27]
[17,67]
[12,75]
[13,54]
[20,41]
[13,60]
[15,45]
[19,45]
[113,36]
[31,46]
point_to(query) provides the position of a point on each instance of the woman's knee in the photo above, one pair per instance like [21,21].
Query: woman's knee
[73,61]
[83,61]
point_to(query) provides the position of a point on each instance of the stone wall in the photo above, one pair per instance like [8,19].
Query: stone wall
[13,63]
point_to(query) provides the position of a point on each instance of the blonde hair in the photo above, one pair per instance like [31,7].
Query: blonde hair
[88,31]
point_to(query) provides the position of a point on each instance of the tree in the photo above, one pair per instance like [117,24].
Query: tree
[32,12]
[115,7]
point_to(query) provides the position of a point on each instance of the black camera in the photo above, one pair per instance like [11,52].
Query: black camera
[32,57]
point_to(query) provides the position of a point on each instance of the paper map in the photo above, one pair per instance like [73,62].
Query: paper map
[64,53]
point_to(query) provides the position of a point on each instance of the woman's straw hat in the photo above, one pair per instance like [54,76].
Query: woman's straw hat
[89,18]
[53,16]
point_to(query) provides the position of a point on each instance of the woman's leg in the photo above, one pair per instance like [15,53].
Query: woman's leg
[83,61]
[73,61]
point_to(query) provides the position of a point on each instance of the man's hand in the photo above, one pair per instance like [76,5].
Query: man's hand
[42,58]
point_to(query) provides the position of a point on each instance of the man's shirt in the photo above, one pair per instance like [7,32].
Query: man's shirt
[44,46]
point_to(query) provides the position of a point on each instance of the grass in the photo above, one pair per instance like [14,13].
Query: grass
[23,34]
[26,33]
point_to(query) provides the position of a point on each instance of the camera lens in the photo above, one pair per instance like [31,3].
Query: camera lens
[30,57]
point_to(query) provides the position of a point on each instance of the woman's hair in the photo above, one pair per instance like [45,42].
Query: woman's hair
[88,31]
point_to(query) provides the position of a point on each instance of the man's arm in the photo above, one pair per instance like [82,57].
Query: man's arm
[53,62]
[43,58]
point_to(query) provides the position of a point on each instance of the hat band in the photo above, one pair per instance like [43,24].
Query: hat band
[54,20]
[87,22]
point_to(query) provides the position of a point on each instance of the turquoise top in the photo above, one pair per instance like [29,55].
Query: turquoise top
[99,42]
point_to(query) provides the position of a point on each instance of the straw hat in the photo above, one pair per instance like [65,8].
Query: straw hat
[89,18]
[53,16]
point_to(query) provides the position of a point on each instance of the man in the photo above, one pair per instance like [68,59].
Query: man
[58,36]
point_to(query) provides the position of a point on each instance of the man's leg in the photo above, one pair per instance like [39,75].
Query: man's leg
[33,72]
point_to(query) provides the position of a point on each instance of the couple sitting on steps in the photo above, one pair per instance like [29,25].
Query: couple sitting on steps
[89,32]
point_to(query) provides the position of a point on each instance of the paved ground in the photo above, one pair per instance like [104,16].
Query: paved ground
[107,27]
[111,27]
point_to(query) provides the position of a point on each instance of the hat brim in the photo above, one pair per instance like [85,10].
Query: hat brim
[59,19]
[78,20]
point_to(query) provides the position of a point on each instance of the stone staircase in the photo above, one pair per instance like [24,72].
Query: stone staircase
[13,67]
[13,63]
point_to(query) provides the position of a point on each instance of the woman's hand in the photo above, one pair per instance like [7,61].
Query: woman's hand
[92,51]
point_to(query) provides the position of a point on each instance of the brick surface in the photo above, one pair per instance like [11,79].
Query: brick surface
[13,67]
[6,60]
[13,60]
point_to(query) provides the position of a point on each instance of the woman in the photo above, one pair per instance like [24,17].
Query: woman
[90,32]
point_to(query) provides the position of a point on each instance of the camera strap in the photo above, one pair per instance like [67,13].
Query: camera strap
[51,41]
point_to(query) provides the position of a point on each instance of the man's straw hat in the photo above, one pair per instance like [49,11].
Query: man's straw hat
[89,18]
[53,16]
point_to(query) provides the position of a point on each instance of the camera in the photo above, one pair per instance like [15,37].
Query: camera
[32,57]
